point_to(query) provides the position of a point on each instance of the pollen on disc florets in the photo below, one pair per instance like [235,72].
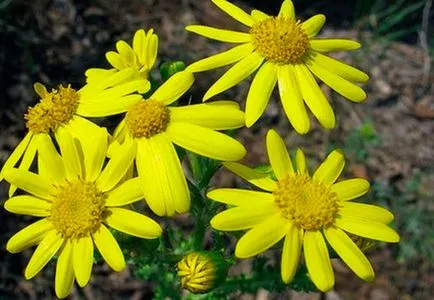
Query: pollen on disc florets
[309,204]
[280,40]
[56,108]
[78,209]
[147,118]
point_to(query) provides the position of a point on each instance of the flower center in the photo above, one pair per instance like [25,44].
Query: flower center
[147,118]
[280,40]
[77,209]
[55,109]
[308,203]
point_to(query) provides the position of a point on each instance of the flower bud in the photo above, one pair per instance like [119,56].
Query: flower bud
[202,271]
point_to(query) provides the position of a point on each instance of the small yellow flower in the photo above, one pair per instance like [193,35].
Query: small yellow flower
[286,52]
[77,199]
[305,211]
[200,272]
[62,108]
[154,127]
[141,57]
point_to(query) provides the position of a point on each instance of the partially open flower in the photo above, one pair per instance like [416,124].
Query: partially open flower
[200,272]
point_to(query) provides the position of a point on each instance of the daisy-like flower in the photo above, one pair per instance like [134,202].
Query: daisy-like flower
[286,52]
[61,108]
[77,199]
[305,211]
[140,57]
[153,127]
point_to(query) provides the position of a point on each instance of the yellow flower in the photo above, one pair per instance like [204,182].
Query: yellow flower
[62,107]
[305,211]
[77,199]
[200,272]
[141,57]
[153,128]
[286,52]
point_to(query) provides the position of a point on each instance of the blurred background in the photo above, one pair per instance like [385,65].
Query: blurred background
[388,139]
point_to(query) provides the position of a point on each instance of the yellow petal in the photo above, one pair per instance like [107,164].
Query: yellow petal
[91,90]
[138,85]
[366,211]
[278,155]
[342,86]
[287,10]
[173,88]
[64,271]
[128,192]
[351,188]
[301,162]
[152,49]
[292,99]
[258,15]
[109,248]
[241,197]
[117,166]
[28,205]
[205,142]
[126,52]
[256,178]
[50,158]
[260,92]
[339,68]
[291,253]
[326,45]
[140,43]
[349,253]
[223,35]
[83,259]
[133,223]
[221,59]
[163,181]
[31,183]
[26,161]
[314,97]
[330,168]
[16,154]
[367,228]
[234,11]
[235,74]
[109,107]
[96,74]
[29,236]
[115,60]
[241,218]
[261,237]
[317,260]
[313,25]
[43,253]
[212,115]
[70,154]
[95,153]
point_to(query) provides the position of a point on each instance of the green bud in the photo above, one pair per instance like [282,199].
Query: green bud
[169,68]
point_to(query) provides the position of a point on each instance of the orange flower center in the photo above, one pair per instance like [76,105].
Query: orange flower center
[78,209]
[147,118]
[309,204]
[55,109]
[280,40]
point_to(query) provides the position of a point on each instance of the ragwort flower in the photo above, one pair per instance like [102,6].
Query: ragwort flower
[61,108]
[286,52]
[305,211]
[154,127]
[140,57]
[77,199]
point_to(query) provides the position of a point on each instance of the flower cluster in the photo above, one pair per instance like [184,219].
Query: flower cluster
[86,179]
